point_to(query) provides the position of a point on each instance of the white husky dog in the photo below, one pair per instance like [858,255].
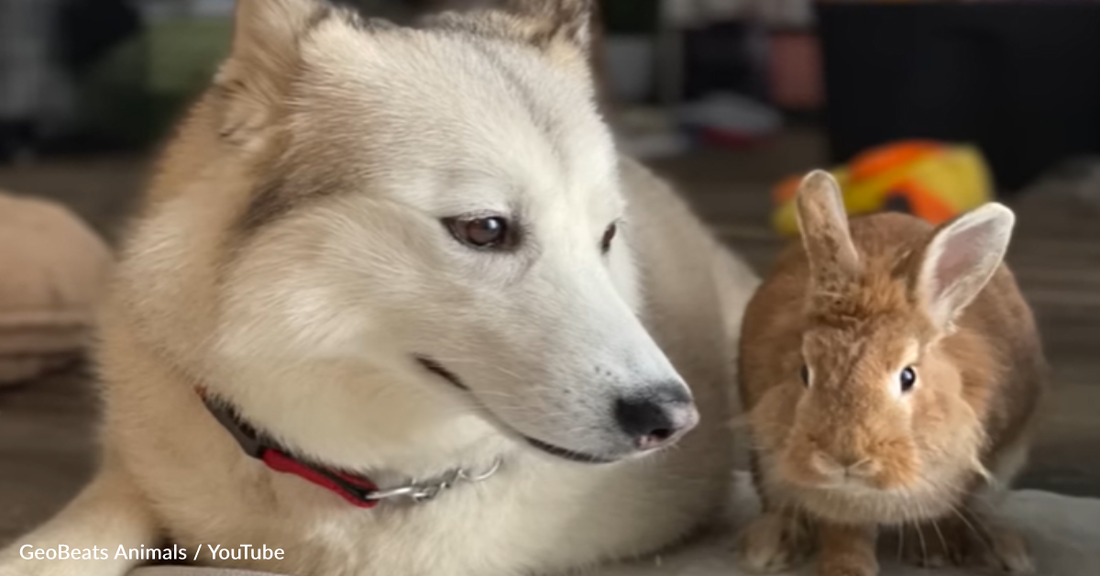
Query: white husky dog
[395,306]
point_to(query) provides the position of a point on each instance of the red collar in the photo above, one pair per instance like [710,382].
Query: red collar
[357,490]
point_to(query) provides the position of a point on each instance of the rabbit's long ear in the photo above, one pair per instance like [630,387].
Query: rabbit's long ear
[823,222]
[960,259]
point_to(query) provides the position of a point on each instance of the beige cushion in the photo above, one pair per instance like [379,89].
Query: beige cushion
[53,269]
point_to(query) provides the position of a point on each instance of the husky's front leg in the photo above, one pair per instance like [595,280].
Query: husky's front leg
[110,512]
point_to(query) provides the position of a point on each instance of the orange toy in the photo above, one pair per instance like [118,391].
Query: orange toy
[931,180]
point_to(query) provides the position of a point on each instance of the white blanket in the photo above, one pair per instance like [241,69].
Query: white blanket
[1064,533]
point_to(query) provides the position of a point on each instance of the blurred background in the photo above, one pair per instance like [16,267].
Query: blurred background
[931,107]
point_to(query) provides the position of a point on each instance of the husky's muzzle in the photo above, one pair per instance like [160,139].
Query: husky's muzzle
[653,418]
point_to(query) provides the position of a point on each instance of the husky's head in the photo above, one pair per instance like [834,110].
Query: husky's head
[411,240]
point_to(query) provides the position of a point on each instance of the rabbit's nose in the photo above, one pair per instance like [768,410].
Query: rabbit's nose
[844,466]
[858,468]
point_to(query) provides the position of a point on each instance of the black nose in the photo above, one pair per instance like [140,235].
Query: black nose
[656,417]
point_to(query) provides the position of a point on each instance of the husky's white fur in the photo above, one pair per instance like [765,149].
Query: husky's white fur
[290,258]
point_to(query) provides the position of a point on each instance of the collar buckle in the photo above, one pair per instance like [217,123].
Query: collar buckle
[425,491]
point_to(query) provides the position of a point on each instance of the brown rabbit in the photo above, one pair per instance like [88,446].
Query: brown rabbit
[891,373]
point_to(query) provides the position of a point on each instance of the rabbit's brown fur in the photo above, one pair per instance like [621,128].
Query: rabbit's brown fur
[850,451]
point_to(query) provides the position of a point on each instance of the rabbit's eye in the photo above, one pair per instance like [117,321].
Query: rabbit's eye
[805,374]
[907,378]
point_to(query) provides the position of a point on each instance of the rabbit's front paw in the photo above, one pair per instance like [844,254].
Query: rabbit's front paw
[773,543]
[847,565]
[971,541]
[1007,551]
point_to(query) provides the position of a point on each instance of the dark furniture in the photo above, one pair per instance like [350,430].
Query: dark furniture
[1020,79]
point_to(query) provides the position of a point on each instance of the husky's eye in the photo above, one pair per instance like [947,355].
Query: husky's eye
[493,232]
[608,236]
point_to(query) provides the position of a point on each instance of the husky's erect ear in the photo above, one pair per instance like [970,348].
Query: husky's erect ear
[552,25]
[263,58]
[556,21]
